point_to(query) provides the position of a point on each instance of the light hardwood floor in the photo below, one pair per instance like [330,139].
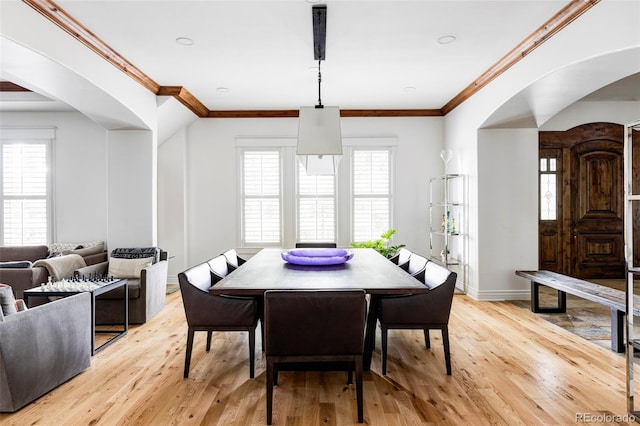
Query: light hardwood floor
[510,367]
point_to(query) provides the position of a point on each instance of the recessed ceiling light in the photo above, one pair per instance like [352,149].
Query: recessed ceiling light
[446,39]
[185,41]
[222,89]
[409,89]
[313,1]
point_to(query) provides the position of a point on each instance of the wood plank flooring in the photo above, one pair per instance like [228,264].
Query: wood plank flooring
[510,367]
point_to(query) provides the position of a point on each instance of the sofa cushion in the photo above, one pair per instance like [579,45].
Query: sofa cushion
[21,264]
[32,253]
[86,251]
[133,288]
[7,300]
[128,268]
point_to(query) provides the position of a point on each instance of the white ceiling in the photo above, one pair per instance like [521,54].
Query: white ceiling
[379,54]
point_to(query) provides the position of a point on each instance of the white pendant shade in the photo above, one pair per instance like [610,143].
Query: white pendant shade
[319,139]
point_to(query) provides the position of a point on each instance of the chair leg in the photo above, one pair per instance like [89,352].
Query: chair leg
[349,375]
[447,352]
[427,340]
[187,358]
[269,390]
[359,389]
[262,332]
[209,334]
[252,352]
[384,349]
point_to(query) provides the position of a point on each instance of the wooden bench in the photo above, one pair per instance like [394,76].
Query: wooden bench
[610,297]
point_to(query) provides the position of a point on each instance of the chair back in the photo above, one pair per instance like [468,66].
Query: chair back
[233,259]
[314,322]
[417,264]
[402,256]
[219,268]
[442,284]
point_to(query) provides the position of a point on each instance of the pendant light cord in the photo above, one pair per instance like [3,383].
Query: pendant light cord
[319,85]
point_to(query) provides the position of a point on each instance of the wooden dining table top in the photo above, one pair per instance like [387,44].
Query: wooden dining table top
[367,270]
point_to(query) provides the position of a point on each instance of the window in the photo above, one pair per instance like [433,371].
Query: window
[316,207]
[371,182]
[548,189]
[25,192]
[281,205]
[261,197]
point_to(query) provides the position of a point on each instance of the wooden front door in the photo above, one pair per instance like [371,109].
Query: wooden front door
[585,237]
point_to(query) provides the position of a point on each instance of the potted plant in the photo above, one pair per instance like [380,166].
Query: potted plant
[381,245]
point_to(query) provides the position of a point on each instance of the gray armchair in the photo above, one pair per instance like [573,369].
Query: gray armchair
[43,347]
[147,293]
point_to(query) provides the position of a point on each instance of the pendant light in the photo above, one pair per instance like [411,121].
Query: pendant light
[319,147]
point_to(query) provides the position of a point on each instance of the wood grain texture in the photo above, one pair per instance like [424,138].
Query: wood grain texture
[510,367]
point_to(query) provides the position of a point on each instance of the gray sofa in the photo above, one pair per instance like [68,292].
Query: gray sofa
[25,277]
[43,347]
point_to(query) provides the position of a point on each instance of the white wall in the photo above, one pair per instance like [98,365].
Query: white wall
[212,218]
[172,200]
[593,112]
[507,212]
[131,188]
[80,165]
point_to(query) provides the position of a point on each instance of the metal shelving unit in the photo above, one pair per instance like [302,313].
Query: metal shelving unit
[632,201]
[448,224]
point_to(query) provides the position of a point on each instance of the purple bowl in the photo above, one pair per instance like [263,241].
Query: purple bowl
[317,257]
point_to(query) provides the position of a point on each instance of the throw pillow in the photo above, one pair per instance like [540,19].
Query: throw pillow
[128,268]
[7,300]
[17,264]
[21,306]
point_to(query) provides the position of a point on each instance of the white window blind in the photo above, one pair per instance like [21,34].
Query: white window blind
[25,187]
[371,180]
[261,197]
[316,207]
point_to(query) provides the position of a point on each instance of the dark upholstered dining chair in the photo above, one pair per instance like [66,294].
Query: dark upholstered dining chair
[426,311]
[316,245]
[209,312]
[220,268]
[314,326]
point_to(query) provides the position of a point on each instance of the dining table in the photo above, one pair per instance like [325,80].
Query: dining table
[367,270]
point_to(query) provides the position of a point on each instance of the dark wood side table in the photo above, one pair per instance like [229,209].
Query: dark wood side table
[95,288]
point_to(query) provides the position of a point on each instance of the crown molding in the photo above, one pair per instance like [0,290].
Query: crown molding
[68,23]
[7,86]
[557,22]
